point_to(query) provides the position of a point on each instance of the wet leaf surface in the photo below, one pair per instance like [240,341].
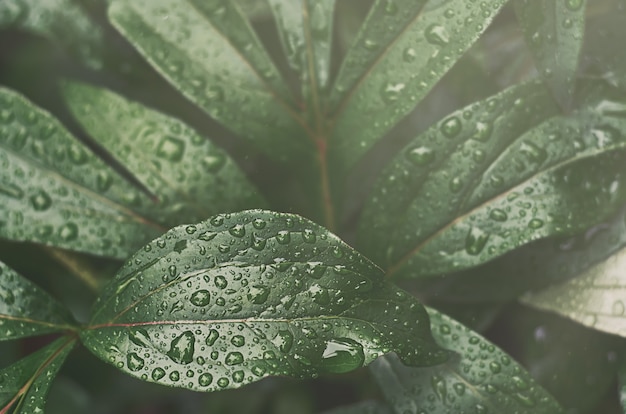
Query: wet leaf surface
[243,296]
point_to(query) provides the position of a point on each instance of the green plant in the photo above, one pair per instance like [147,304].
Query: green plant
[519,194]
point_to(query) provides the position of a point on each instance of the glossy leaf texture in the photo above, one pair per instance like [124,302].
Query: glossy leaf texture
[26,310]
[554,33]
[53,190]
[506,181]
[243,296]
[596,298]
[25,384]
[191,178]
[216,60]
[65,22]
[402,50]
[480,378]
[367,407]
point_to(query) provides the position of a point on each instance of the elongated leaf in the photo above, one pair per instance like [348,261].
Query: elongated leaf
[487,198]
[398,56]
[368,407]
[54,191]
[243,296]
[479,379]
[554,33]
[191,178]
[26,310]
[215,59]
[63,21]
[25,384]
[596,298]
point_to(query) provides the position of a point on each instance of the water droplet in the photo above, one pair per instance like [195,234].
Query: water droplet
[200,297]
[409,55]
[258,294]
[437,35]
[573,5]
[76,154]
[191,229]
[283,237]
[182,348]
[258,243]
[391,91]
[158,373]
[533,152]
[207,236]
[140,337]
[40,200]
[535,223]
[439,387]
[519,383]
[234,358]
[237,230]
[498,215]
[420,155]
[455,184]
[213,163]
[391,7]
[217,221]
[223,382]
[221,282]
[171,149]
[238,376]
[174,376]
[205,379]
[238,340]
[459,388]
[494,367]
[475,241]
[258,223]
[134,362]
[319,294]
[451,127]
[370,44]
[11,190]
[309,236]
[283,341]
[482,131]
[315,270]
[342,355]
[68,231]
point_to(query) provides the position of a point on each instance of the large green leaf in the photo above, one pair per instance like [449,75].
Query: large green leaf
[554,33]
[26,310]
[216,60]
[24,385]
[505,183]
[246,295]
[480,378]
[54,191]
[192,178]
[401,52]
[596,298]
[65,22]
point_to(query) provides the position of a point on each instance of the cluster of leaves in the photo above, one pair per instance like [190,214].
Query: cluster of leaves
[479,202]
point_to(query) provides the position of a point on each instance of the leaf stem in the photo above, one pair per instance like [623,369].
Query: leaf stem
[77,267]
[329,214]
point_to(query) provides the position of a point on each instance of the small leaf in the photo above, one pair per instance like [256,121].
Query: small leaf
[26,310]
[554,33]
[192,178]
[243,296]
[401,52]
[367,407]
[216,60]
[25,384]
[53,190]
[63,21]
[479,379]
[596,298]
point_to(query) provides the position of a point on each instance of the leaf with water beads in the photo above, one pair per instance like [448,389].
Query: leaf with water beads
[53,190]
[25,384]
[191,178]
[26,310]
[479,378]
[243,296]
[402,50]
[554,33]
[216,60]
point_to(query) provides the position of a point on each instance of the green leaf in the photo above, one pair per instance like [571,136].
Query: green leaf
[596,298]
[26,310]
[480,378]
[503,185]
[401,52]
[554,33]
[252,294]
[216,60]
[191,178]
[367,407]
[54,191]
[25,384]
[65,22]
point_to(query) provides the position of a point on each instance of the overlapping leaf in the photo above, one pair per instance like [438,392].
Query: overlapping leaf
[25,384]
[63,21]
[247,295]
[216,60]
[191,178]
[505,183]
[55,191]
[480,378]
[400,53]
[26,310]
[554,33]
